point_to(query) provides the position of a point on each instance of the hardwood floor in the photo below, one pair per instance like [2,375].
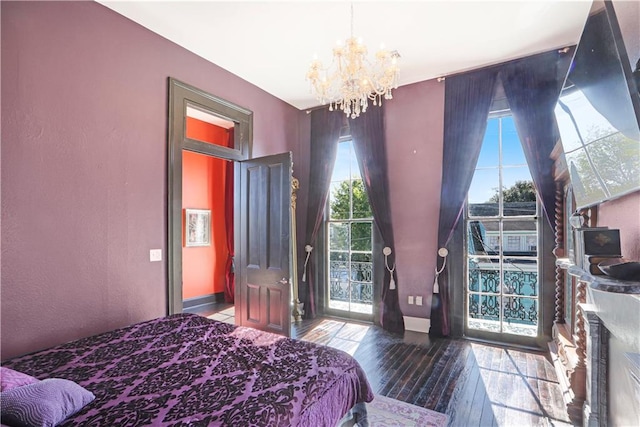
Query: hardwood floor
[475,384]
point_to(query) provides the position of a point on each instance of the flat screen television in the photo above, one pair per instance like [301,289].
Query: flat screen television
[598,113]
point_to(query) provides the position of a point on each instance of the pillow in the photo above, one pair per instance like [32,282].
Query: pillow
[11,379]
[45,403]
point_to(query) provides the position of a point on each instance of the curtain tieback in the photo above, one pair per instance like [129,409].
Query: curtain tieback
[308,249]
[232,268]
[387,251]
[443,252]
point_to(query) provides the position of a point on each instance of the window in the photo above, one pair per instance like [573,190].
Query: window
[349,236]
[502,233]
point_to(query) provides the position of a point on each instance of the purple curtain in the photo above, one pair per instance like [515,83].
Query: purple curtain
[532,86]
[467,101]
[325,132]
[368,136]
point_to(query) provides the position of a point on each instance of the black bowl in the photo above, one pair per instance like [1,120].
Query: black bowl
[625,270]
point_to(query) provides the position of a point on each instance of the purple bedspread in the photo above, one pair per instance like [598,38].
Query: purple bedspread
[187,370]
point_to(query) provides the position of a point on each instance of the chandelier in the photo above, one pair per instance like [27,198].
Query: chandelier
[351,80]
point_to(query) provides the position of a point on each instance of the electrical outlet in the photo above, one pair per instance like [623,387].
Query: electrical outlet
[418,300]
[410,299]
[155,255]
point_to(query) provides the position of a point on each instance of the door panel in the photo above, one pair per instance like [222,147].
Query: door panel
[264,220]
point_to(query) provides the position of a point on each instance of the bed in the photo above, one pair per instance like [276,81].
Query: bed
[187,370]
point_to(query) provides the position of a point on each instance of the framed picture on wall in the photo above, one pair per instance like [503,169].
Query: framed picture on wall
[197,227]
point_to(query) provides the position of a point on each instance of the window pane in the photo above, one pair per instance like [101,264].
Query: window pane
[342,168]
[521,316]
[340,200]
[484,275]
[520,238]
[362,278]
[361,207]
[518,194]
[207,127]
[483,237]
[485,307]
[353,161]
[361,236]
[512,153]
[489,151]
[483,193]
[520,277]
[338,236]
[339,280]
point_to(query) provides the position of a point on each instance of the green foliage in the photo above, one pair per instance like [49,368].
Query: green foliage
[341,201]
[341,208]
[521,191]
[617,160]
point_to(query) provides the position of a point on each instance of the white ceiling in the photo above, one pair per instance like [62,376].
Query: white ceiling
[271,43]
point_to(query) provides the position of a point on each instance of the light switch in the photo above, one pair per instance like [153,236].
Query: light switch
[418,300]
[410,299]
[155,255]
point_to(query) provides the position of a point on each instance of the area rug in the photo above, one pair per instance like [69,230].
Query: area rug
[385,412]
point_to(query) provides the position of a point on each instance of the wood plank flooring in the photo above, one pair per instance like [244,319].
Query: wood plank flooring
[475,384]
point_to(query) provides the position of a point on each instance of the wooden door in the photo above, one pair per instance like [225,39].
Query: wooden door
[263,221]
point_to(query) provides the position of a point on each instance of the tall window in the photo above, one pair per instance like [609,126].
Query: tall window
[349,236]
[502,231]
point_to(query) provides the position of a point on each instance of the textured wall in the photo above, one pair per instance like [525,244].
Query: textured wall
[414,126]
[84,141]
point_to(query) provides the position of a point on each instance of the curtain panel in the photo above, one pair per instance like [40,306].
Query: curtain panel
[467,100]
[325,132]
[229,270]
[532,86]
[368,134]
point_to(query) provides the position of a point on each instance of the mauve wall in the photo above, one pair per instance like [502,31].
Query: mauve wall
[84,123]
[414,124]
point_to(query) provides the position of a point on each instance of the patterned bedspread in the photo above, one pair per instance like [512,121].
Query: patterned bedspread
[187,370]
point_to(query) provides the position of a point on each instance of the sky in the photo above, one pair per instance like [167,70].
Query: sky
[485,180]
[486,177]
[346,163]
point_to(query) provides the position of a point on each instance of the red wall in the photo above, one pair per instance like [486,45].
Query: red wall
[203,184]
[206,132]
[203,181]
[84,166]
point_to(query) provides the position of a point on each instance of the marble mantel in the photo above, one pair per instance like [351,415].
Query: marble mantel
[601,360]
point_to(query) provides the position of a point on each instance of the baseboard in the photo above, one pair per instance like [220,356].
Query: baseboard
[203,301]
[417,324]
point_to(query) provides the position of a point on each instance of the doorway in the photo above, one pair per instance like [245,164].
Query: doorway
[260,197]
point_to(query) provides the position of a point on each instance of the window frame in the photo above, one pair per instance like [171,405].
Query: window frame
[366,317]
[501,219]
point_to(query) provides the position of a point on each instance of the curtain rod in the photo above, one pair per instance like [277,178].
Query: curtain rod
[319,107]
[561,50]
